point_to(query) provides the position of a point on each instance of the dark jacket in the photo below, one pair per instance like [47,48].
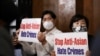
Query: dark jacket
[6,47]
[90,41]
[95,51]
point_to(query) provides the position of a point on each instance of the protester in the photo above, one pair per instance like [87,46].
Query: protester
[46,45]
[80,23]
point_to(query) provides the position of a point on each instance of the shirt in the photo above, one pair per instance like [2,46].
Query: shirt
[18,52]
[50,36]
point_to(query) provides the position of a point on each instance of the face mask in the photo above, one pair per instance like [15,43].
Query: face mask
[80,29]
[48,25]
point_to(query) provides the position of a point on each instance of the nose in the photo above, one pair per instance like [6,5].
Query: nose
[79,24]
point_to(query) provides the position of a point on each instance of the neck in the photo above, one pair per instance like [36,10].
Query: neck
[44,42]
[49,30]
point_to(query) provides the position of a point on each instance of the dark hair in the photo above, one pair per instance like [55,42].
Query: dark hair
[8,11]
[48,12]
[76,18]
[44,13]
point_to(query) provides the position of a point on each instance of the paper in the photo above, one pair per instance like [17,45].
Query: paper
[28,29]
[71,44]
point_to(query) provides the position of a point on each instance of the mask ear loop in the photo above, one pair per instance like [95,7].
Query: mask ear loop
[73,29]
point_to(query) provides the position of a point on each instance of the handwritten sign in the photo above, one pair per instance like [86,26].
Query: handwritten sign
[71,44]
[29,28]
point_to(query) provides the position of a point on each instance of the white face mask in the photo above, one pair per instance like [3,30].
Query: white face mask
[80,29]
[48,25]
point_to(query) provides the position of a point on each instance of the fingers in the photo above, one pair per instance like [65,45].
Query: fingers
[41,36]
[15,40]
[88,53]
[17,32]
[53,53]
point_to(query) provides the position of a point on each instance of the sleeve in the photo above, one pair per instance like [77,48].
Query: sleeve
[48,48]
[27,48]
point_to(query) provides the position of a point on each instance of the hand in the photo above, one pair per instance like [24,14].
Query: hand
[15,38]
[53,53]
[41,37]
[88,53]
[17,32]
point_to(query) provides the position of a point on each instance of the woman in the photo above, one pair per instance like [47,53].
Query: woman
[80,23]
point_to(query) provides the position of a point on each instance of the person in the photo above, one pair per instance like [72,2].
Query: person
[96,45]
[7,14]
[18,50]
[80,23]
[48,20]
[46,39]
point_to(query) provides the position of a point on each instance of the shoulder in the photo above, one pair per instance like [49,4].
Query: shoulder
[57,30]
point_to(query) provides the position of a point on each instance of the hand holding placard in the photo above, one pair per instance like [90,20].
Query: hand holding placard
[29,29]
[41,37]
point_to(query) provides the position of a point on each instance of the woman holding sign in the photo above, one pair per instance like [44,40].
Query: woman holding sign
[46,39]
[80,23]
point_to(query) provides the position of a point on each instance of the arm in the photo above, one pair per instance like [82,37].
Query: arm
[29,49]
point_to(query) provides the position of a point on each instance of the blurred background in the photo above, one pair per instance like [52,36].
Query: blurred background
[64,10]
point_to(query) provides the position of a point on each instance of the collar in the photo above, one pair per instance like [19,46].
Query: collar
[51,32]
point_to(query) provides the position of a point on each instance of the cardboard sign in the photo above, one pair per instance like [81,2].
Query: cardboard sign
[71,44]
[29,28]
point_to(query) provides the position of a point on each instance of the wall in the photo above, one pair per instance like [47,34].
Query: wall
[96,5]
[65,9]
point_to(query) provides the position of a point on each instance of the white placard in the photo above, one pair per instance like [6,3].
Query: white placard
[71,44]
[29,28]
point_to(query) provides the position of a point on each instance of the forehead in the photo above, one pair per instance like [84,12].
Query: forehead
[81,20]
[46,16]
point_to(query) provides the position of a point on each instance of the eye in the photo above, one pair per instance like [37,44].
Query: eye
[83,24]
[44,19]
[77,23]
[49,18]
